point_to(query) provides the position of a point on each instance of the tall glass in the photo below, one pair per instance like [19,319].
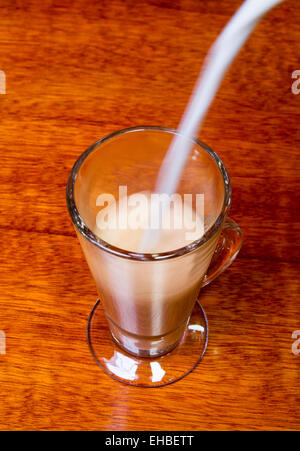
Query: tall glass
[149,300]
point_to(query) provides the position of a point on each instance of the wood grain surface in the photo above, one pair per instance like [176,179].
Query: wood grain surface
[77,70]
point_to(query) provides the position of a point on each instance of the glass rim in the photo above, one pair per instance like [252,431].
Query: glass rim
[94,239]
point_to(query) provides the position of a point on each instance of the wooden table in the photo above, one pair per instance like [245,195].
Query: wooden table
[75,73]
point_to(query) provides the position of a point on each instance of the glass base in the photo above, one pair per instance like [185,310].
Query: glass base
[147,371]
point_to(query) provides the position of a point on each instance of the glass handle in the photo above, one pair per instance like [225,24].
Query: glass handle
[228,246]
